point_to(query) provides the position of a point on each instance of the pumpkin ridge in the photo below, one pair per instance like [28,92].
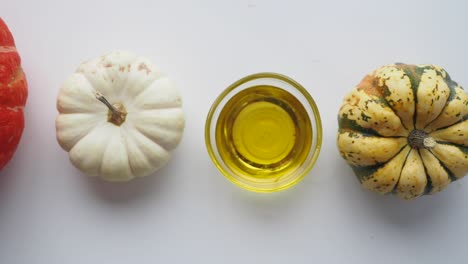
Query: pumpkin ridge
[371,112]
[363,150]
[414,73]
[11,62]
[155,108]
[394,190]
[451,85]
[347,125]
[158,118]
[157,77]
[410,73]
[440,184]
[370,85]
[384,179]
[452,175]
[146,87]
[125,82]
[343,130]
[115,136]
[110,66]
[345,122]
[456,134]
[429,187]
[172,104]
[151,139]
[456,123]
[413,170]
[449,172]
[160,107]
[148,157]
[123,87]
[18,98]
[92,92]
[62,110]
[105,76]
[7,49]
[434,87]
[130,137]
[16,75]
[65,112]
[462,148]
[125,143]
[389,105]
[90,133]
[93,125]
[363,172]
[102,155]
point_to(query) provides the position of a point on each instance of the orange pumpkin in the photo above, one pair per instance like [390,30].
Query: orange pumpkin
[13,94]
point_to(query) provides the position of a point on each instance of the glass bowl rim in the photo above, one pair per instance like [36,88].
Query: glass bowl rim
[316,115]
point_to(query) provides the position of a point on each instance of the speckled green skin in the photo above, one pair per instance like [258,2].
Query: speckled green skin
[388,106]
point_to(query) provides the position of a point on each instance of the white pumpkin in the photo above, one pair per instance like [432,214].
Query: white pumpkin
[119,117]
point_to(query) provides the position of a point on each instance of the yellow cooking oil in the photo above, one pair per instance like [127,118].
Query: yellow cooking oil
[263,133]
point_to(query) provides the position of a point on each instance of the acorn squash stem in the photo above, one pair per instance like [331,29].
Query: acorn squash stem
[420,139]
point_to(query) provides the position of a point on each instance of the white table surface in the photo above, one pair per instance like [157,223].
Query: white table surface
[188,212]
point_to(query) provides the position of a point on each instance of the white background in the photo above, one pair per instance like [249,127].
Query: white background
[188,212]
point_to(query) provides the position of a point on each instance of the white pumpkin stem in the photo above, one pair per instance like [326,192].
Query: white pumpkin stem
[117,112]
[101,98]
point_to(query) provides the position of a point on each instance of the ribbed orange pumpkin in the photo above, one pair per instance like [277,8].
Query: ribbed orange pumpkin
[13,94]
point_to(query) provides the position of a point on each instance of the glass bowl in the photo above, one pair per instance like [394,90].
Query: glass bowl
[264,132]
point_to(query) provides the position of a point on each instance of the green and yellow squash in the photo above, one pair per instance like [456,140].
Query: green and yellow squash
[404,130]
